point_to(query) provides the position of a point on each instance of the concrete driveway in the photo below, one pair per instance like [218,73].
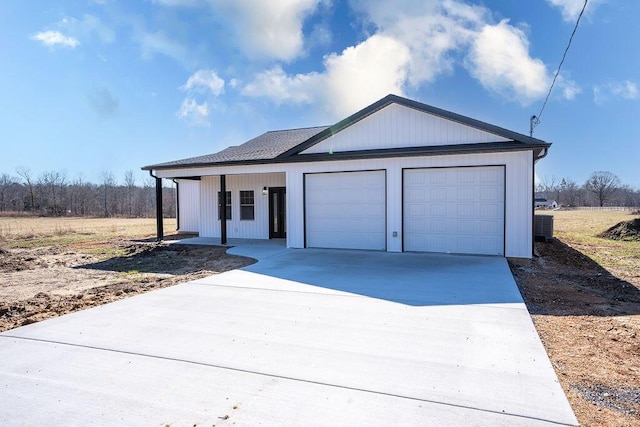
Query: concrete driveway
[304,337]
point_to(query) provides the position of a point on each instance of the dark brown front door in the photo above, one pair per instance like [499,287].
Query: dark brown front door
[277,213]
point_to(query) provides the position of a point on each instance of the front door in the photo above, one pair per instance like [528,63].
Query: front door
[277,213]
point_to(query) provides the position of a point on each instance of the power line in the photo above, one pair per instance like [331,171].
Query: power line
[535,120]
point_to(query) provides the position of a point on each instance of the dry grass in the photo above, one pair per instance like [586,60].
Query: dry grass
[30,232]
[578,229]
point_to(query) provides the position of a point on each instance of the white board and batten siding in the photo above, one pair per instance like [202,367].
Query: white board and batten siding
[189,205]
[398,126]
[346,210]
[454,210]
[394,126]
[517,167]
[258,228]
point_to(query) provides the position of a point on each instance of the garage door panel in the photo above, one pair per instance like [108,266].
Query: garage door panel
[345,210]
[462,210]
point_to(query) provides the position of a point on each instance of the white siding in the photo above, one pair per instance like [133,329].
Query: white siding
[189,205]
[258,228]
[518,192]
[397,126]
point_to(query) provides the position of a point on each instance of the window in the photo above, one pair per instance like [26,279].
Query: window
[228,203]
[247,204]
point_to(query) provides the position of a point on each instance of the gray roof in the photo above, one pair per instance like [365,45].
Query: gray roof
[267,146]
[287,145]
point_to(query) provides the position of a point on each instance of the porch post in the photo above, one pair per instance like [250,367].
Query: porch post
[177,205]
[160,231]
[222,202]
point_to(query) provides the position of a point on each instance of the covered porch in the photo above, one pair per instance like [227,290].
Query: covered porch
[254,206]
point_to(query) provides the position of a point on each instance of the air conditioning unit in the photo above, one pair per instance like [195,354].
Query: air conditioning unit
[543,227]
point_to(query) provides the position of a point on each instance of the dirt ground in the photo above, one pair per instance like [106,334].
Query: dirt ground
[589,322]
[46,282]
[588,319]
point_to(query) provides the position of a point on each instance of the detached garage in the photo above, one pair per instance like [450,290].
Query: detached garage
[396,176]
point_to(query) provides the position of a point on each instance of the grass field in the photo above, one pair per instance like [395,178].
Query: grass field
[579,229]
[33,232]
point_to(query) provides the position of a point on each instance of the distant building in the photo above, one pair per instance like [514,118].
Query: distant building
[542,203]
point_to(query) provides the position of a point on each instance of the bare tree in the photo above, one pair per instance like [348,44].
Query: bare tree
[54,184]
[28,180]
[569,192]
[603,185]
[130,183]
[108,182]
[5,184]
[549,188]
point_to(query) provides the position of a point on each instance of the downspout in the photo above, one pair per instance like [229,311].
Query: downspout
[223,209]
[533,205]
[177,204]
[541,155]
[159,225]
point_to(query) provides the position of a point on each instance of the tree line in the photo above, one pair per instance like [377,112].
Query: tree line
[54,194]
[602,188]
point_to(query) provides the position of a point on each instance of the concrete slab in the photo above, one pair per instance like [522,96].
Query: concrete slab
[304,337]
[253,248]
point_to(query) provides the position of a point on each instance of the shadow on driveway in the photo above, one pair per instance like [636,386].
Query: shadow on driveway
[174,259]
[408,278]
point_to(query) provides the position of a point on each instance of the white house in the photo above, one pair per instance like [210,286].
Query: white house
[396,176]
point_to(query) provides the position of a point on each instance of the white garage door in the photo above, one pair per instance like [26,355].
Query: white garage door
[455,210]
[345,210]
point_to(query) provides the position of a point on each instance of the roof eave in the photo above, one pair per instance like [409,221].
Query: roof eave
[439,150]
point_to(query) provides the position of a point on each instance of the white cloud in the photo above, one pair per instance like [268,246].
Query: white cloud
[364,73]
[571,8]
[195,114]
[271,29]
[263,29]
[208,85]
[276,85]
[412,44]
[499,59]
[441,35]
[434,31]
[570,89]
[626,90]
[320,35]
[351,80]
[55,38]
[69,31]
[203,80]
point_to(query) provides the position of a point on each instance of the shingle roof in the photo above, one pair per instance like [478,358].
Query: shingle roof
[267,146]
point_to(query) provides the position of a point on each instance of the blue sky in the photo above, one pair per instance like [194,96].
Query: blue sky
[112,85]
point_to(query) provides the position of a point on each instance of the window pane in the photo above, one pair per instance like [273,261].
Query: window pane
[246,197]
[246,212]
[247,205]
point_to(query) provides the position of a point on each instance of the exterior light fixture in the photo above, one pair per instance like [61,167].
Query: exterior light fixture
[264,191]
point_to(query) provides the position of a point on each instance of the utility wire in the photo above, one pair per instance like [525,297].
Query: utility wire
[535,120]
